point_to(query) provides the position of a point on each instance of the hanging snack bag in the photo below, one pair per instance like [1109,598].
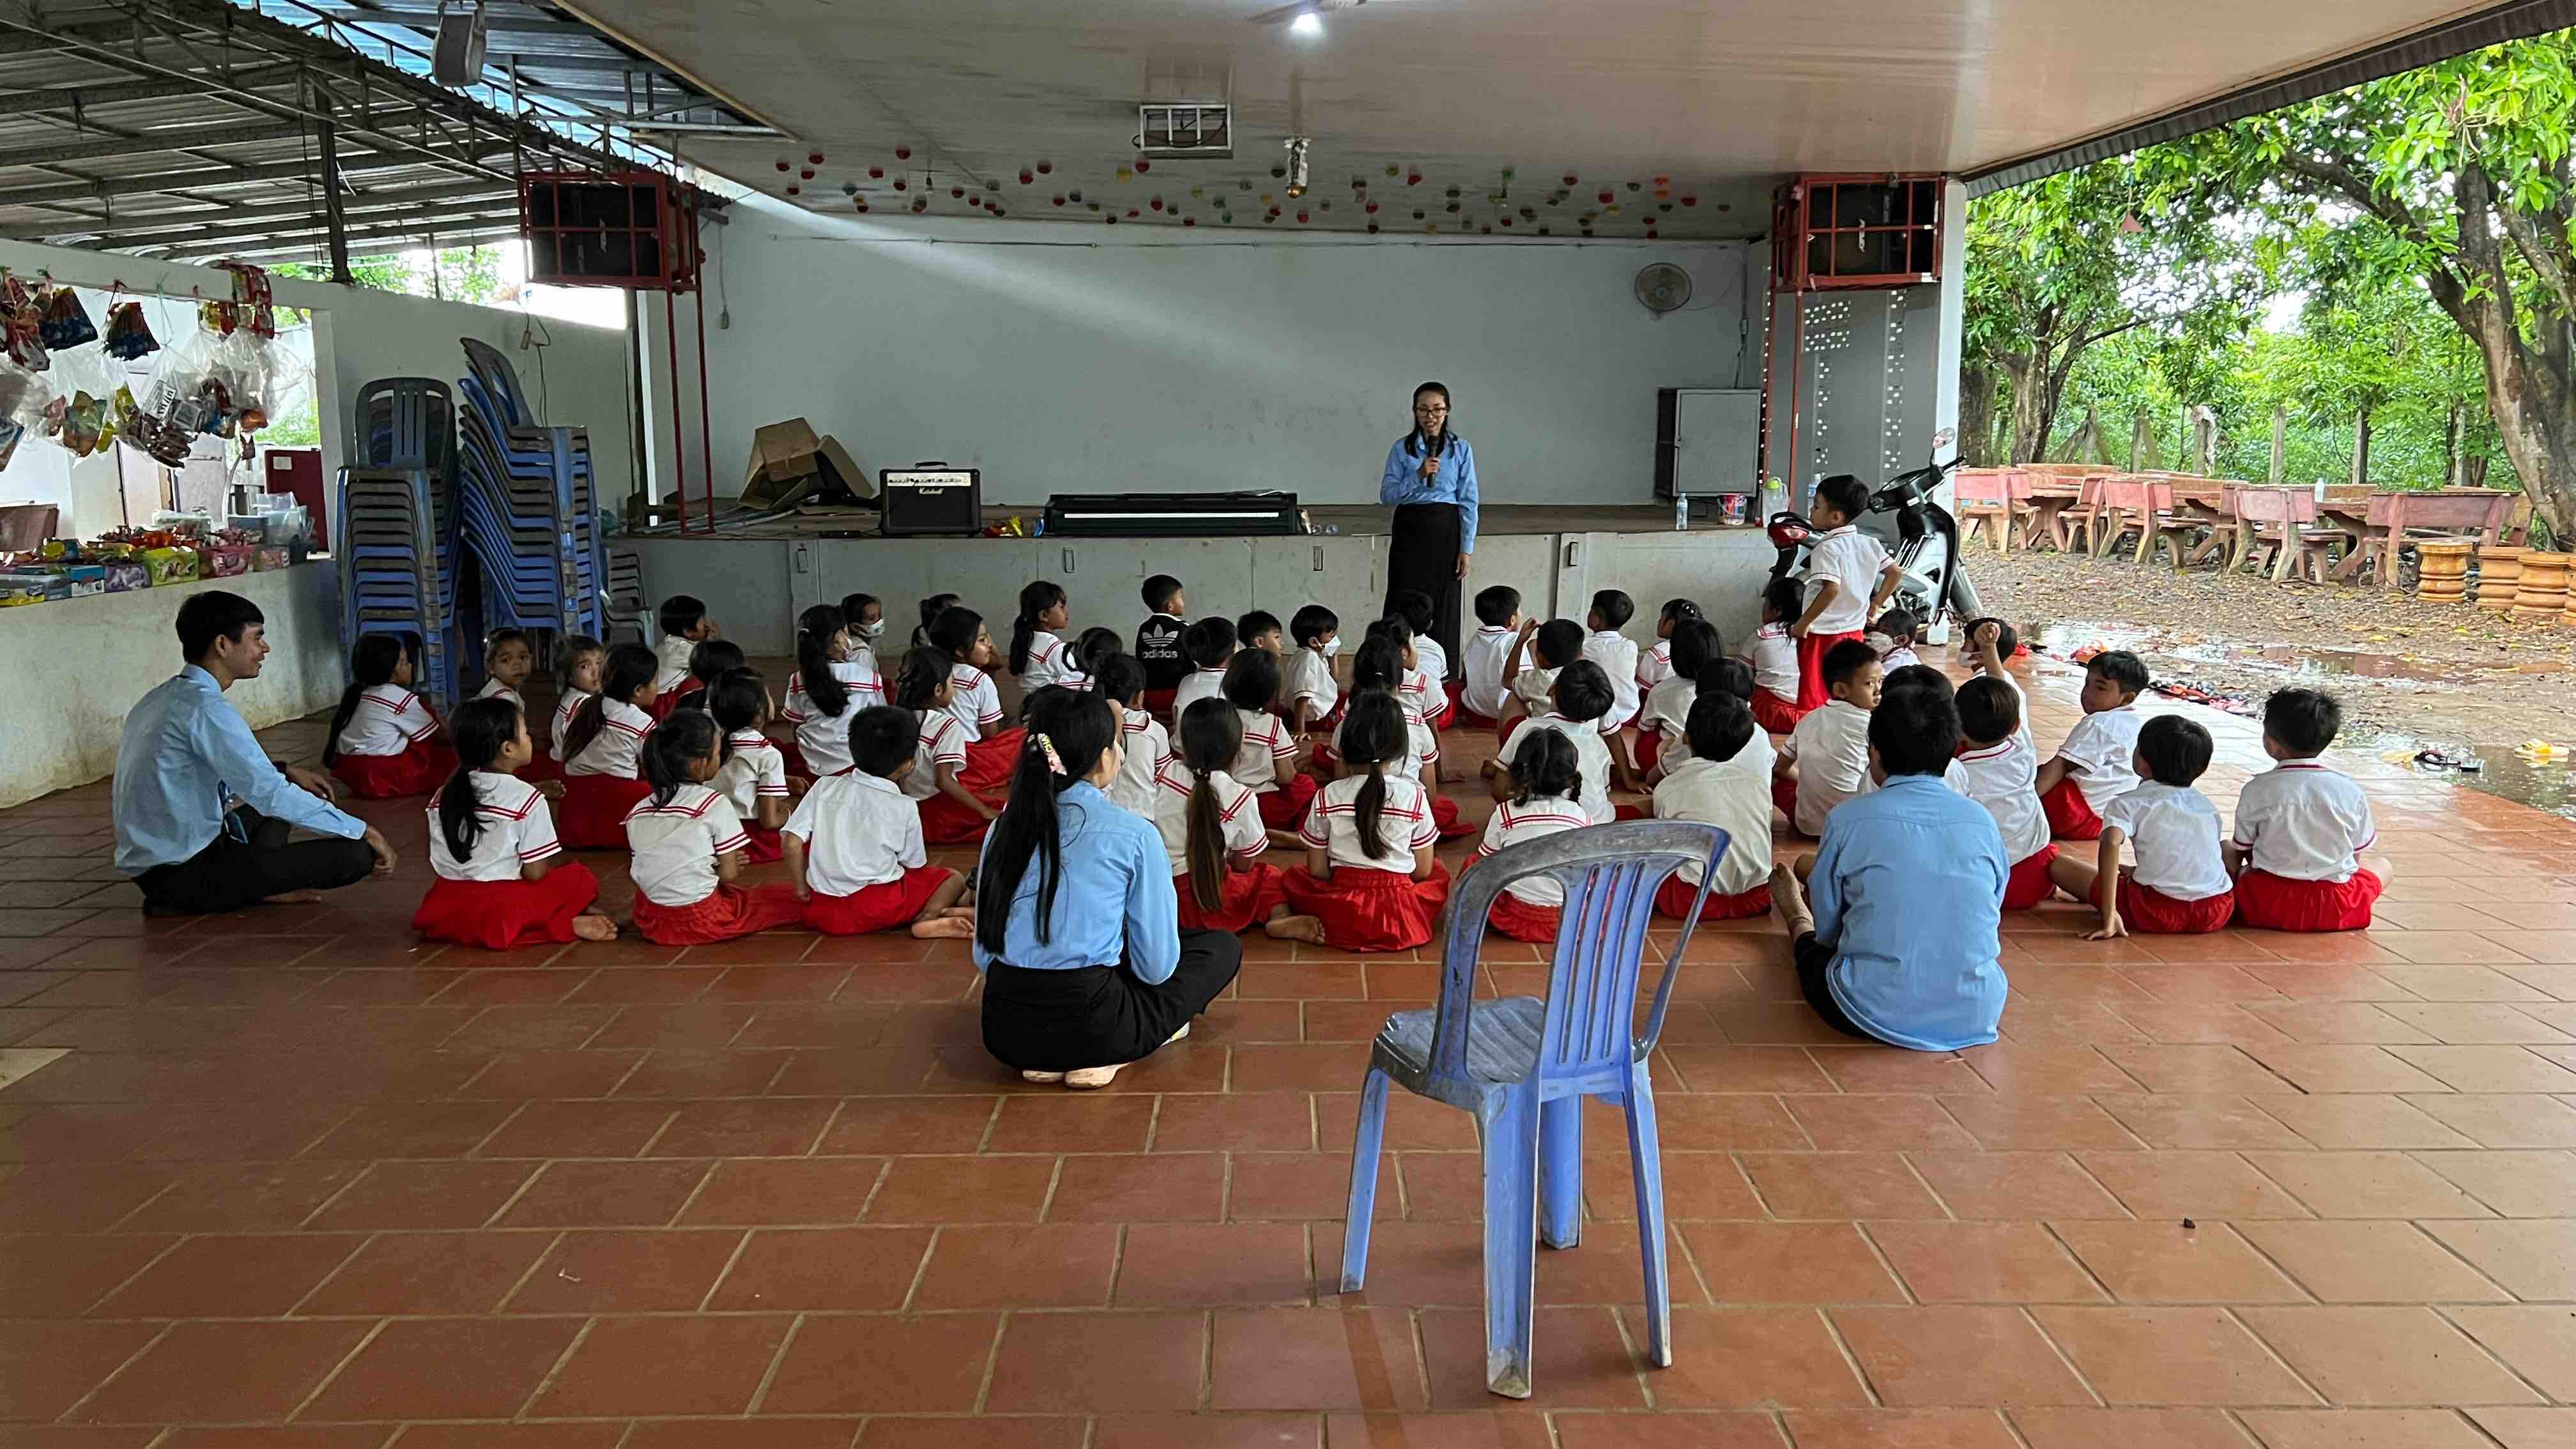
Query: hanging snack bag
[66,323]
[129,334]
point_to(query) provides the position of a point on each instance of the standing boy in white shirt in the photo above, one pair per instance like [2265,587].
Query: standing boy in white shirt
[2091,769]
[1849,577]
[2301,828]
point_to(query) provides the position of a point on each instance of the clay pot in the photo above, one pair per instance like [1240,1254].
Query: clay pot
[2499,574]
[2442,571]
[2542,592]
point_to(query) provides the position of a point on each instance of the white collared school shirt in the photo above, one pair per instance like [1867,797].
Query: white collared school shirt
[1487,651]
[1831,748]
[974,701]
[1512,823]
[859,831]
[1268,754]
[389,719]
[1148,748]
[1774,661]
[1050,662]
[1238,815]
[565,709]
[1431,658]
[2003,777]
[756,770]
[2097,752]
[824,739]
[1853,560]
[517,830]
[2174,832]
[613,751]
[1654,666]
[1591,756]
[1734,795]
[674,845]
[1616,653]
[495,689]
[1422,744]
[1197,685]
[1403,824]
[1310,677]
[672,653]
[938,741]
[2303,821]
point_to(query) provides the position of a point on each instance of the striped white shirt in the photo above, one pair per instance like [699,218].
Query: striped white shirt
[1404,824]
[613,751]
[518,830]
[675,846]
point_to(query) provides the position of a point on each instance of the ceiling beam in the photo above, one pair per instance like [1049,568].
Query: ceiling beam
[355,203]
[87,97]
[301,248]
[172,182]
[442,222]
[153,143]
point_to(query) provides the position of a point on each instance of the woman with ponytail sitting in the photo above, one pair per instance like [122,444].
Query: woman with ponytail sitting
[1085,969]
[976,704]
[502,881]
[1369,874]
[951,814]
[384,740]
[829,688]
[1212,831]
[854,849]
[688,846]
[601,746]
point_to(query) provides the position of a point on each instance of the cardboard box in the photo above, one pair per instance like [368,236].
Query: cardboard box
[171,565]
[223,560]
[790,464]
[270,556]
[125,576]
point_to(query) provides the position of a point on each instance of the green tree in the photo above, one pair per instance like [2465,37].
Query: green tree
[2456,174]
[457,274]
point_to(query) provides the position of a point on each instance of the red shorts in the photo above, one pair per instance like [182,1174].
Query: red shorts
[2070,815]
[1466,716]
[592,813]
[1784,798]
[1450,690]
[1246,899]
[764,846]
[880,907]
[2277,903]
[1522,921]
[1285,808]
[499,915]
[2029,884]
[1444,814]
[1650,748]
[1673,901]
[1811,667]
[732,911]
[792,756]
[1370,910]
[1158,703]
[1631,812]
[422,767]
[946,822]
[990,760]
[1776,715]
[2151,912]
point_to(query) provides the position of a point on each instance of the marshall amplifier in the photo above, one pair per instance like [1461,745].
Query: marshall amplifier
[930,500]
[1171,515]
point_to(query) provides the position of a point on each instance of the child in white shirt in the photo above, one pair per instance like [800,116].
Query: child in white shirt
[1547,785]
[1488,650]
[1429,656]
[688,845]
[854,847]
[1999,771]
[1663,718]
[1892,635]
[2180,884]
[1213,836]
[1990,644]
[950,813]
[1209,644]
[384,741]
[1655,663]
[1773,657]
[1615,652]
[603,742]
[1266,763]
[1848,578]
[991,750]
[508,660]
[1314,698]
[1039,654]
[2091,769]
[1369,875]
[579,659]
[1577,700]
[753,778]
[684,626]
[1545,650]
[501,877]
[1724,782]
[2301,828]
[1826,760]
[827,691]
[1122,682]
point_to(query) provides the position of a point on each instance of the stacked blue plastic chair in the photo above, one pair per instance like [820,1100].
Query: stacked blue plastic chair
[527,511]
[396,533]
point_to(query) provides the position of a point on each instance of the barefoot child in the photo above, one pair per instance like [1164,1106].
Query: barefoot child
[1547,786]
[2180,884]
[1998,770]
[503,881]
[1212,832]
[2301,827]
[688,846]
[854,849]
[1369,873]
[1724,783]
[2091,769]
[384,741]
[950,813]
[753,778]
[602,746]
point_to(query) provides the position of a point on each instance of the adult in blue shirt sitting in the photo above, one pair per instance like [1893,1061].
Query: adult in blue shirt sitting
[1903,939]
[1077,928]
[201,812]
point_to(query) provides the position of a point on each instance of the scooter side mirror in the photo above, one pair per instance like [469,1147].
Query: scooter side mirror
[1944,438]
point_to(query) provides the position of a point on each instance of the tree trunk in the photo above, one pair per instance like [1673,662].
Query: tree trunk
[2451,448]
[1977,414]
[2361,448]
[2142,443]
[2280,443]
[2533,407]
[2473,470]
[2028,374]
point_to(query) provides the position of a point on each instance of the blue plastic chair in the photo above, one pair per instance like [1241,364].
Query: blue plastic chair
[1524,1066]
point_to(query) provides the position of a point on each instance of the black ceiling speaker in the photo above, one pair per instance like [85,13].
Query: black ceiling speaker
[457,59]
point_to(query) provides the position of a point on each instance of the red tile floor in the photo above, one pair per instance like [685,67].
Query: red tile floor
[301,1181]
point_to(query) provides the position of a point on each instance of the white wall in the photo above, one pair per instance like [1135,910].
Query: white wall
[1064,359]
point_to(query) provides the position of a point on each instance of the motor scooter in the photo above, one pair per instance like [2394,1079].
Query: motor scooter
[1932,586]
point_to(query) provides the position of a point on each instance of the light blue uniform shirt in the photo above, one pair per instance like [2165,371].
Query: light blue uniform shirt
[1454,483]
[1113,902]
[185,755]
[1909,890]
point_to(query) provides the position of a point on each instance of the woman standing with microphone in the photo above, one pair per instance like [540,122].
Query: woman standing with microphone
[1430,482]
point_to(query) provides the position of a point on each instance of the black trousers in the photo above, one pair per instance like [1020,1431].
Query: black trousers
[1814,959]
[1101,1016]
[230,874]
[1423,554]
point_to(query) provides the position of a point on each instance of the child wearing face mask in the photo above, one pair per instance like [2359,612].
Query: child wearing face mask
[1314,697]
[864,615]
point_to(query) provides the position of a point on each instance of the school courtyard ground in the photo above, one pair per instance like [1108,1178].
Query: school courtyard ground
[298,1181]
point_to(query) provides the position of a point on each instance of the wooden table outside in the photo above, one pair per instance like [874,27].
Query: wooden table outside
[2378,525]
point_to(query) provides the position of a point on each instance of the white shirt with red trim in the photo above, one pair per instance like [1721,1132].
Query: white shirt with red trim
[1051,661]
[1773,658]
[2003,778]
[1616,653]
[1591,756]
[1674,751]
[974,700]
[1268,754]
[1535,688]
[1149,748]
[1197,685]
[1511,823]
[859,831]
[2021,701]
[2174,832]
[756,770]
[1422,743]
[565,709]
[1831,748]
[1421,689]
[674,846]
[613,751]
[1431,659]
[389,719]
[940,741]
[1310,678]
[1901,657]
[518,830]
[1667,707]
[2303,821]
[1238,813]
[2097,752]
[1734,795]
[1853,560]
[495,689]
[1403,824]
[1487,651]
[1654,666]
[824,739]
[672,653]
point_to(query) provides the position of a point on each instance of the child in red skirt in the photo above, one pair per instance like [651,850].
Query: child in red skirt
[834,679]
[1381,664]
[753,777]
[1578,696]
[2180,884]
[1663,718]
[1266,763]
[1488,651]
[854,846]
[950,814]
[1120,679]
[991,750]
[385,742]
[1547,785]
[1040,655]
[684,626]
[1997,770]
[1212,832]
[2091,769]
[688,846]
[1773,658]
[2301,828]
[1369,874]
[1655,662]
[1726,782]
[579,662]
[603,745]
[509,657]
[502,880]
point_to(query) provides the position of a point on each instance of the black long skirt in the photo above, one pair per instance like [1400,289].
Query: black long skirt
[1423,554]
[1100,1016]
